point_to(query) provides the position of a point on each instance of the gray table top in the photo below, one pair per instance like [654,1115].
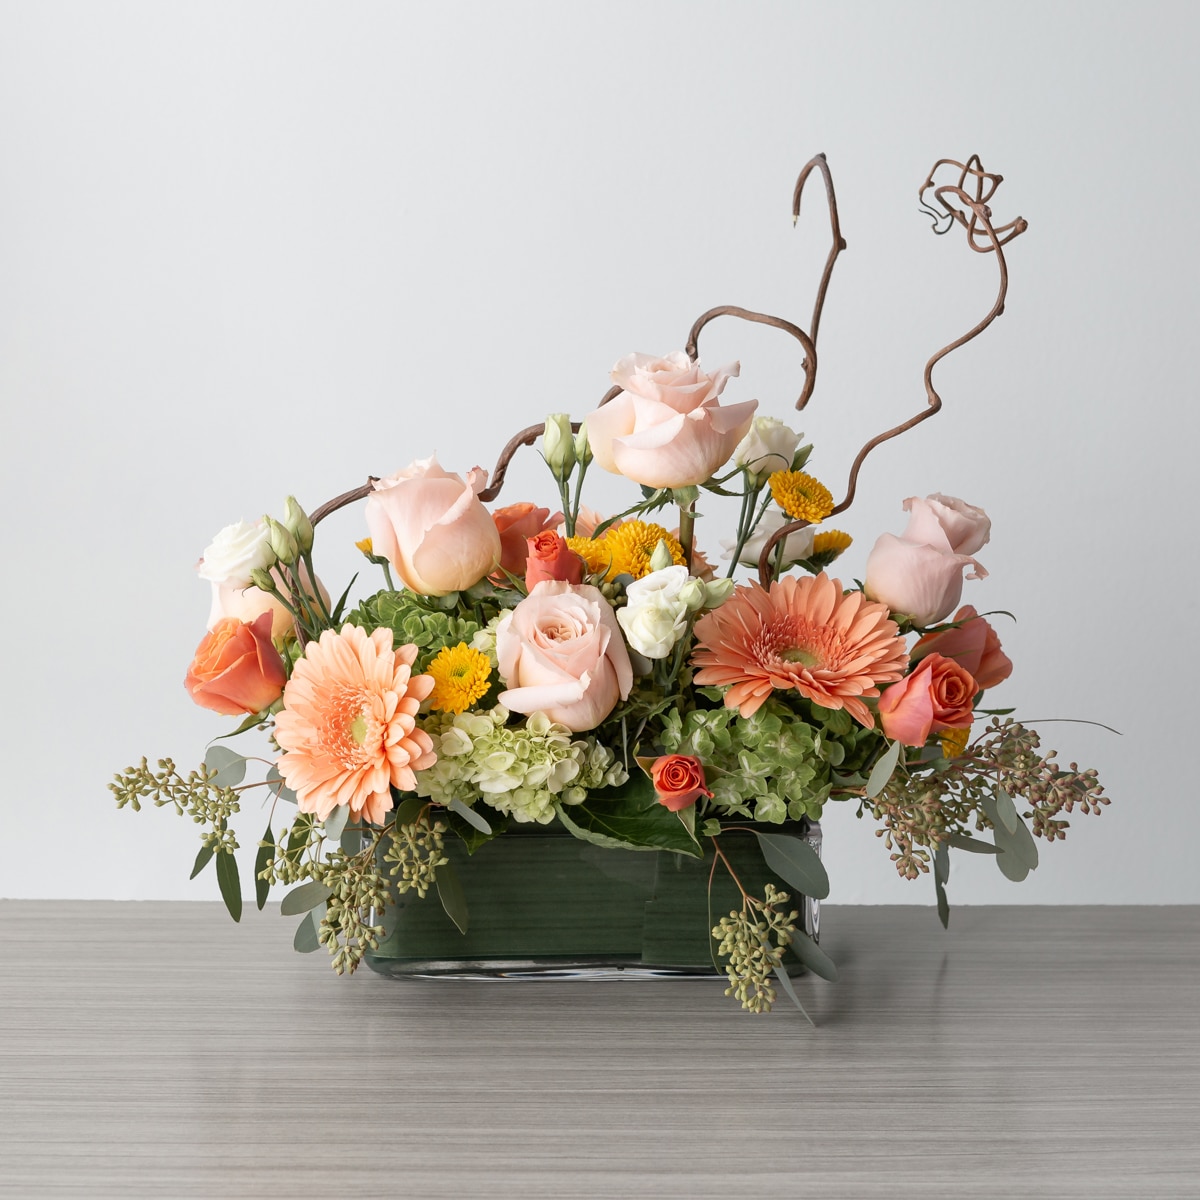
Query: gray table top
[156,1050]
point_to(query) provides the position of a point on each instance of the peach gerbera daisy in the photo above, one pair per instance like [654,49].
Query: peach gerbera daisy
[347,727]
[803,634]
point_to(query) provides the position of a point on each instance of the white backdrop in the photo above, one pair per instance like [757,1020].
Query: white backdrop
[253,249]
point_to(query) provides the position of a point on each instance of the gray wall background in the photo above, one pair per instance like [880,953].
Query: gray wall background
[253,249]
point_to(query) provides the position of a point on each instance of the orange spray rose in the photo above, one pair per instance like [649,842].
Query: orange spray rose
[679,781]
[551,558]
[236,669]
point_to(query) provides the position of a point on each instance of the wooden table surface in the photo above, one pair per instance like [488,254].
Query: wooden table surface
[155,1049]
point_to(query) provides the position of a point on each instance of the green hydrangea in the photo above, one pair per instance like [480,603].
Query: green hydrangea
[523,770]
[414,619]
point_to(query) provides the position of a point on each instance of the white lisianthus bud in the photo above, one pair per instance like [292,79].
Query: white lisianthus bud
[767,447]
[236,551]
[797,546]
[296,521]
[656,615]
[661,558]
[694,594]
[583,452]
[717,591]
[283,544]
[558,446]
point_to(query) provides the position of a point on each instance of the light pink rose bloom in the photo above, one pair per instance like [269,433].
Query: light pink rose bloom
[965,527]
[667,428]
[246,604]
[561,652]
[431,527]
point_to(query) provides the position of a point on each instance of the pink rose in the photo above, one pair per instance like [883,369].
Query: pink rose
[678,781]
[937,695]
[247,603]
[516,524]
[236,670]
[666,427]
[973,645]
[432,528]
[965,527]
[561,652]
[921,574]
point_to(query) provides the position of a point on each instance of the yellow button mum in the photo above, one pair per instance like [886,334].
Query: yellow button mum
[801,496]
[832,542]
[954,741]
[633,542]
[460,677]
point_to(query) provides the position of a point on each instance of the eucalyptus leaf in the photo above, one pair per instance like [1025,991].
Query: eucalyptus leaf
[1011,867]
[336,822]
[409,810]
[229,766]
[943,903]
[266,852]
[941,863]
[453,898]
[229,883]
[812,956]
[794,860]
[786,984]
[202,860]
[307,895]
[470,837]
[881,772]
[973,845]
[1006,810]
[279,788]
[305,941]
[351,840]
[469,815]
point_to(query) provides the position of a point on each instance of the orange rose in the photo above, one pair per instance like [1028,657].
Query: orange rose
[516,524]
[551,558]
[236,669]
[937,695]
[973,645]
[678,780]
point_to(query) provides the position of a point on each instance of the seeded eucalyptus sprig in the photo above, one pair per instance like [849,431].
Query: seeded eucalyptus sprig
[200,795]
[754,939]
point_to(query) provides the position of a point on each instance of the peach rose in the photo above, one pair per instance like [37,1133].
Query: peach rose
[432,529]
[561,652]
[236,670]
[666,427]
[516,524]
[551,558]
[973,645]
[679,781]
[937,695]
[230,602]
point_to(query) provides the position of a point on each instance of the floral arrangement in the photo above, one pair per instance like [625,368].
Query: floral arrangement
[625,676]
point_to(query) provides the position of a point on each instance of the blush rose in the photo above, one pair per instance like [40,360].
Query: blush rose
[666,428]
[430,526]
[678,781]
[560,651]
[938,694]
[236,670]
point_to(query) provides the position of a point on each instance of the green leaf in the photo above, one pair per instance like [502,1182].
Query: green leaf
[794,860]
[336,822]
[307,895]
[351,840]
[973,845]
[409,810]
[228,766]
[266,852]
[279,788]
[630,818]
[943,903]
[1006,810]
[249,723]
[229,883]
[469,835]
[786,984]
[451,894]
[202,860]
[298,838]
[881,772]
[305,941]
[1018,852]
[941,863]
[812,956]
[336,615]
[469,815]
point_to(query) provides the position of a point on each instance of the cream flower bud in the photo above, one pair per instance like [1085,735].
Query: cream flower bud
[768,447]
[583,451]
[661,558]
[558,446]
[283,543]
[717,591]
[296,521]
[694,594]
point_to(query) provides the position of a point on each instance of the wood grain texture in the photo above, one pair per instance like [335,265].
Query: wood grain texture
[154,1050]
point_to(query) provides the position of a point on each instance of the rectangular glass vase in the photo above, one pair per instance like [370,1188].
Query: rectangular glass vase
[544,903]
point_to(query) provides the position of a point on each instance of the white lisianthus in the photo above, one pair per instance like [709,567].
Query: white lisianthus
[656,614]
[797,546]
[769,446]
[236,551]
